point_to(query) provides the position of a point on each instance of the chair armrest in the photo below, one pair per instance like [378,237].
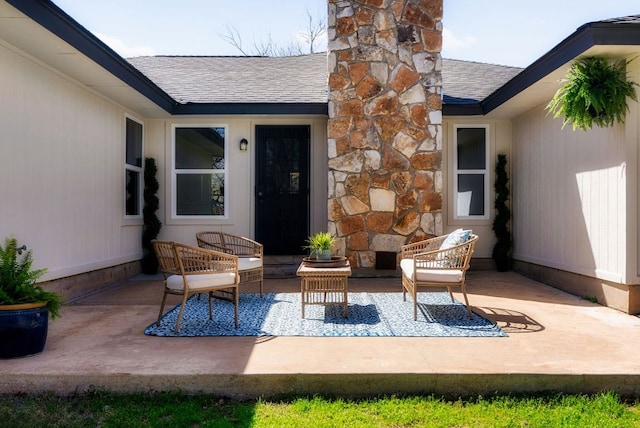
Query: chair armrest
[166,256]
[215,247]
[457,257]
[195,260]
[212,241]
[430,244]
[243,247]
[231,244]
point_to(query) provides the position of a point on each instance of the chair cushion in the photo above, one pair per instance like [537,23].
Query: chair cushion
[247,263]
[430,275]
[455,238]
[209,280]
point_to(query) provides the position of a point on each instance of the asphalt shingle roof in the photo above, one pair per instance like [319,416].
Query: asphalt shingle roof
[468,82]
[295,79]
[218,79]
[632,19]
[287,82]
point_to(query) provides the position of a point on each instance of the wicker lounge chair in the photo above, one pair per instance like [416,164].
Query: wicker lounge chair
[430,264]
[249,252]
[189,270]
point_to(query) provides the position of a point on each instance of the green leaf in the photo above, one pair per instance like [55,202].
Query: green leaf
[18,280]
[320,241]
[595,93]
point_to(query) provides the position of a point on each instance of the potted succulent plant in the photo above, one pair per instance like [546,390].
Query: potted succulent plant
[320,244]
[24,305]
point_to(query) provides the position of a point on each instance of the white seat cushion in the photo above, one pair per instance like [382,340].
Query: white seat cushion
[222,280]
[247,263]
[430,275]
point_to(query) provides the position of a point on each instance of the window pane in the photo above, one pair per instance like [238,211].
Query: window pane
[200,194]
[199,148]
[470,194]
[134,143]
[471,148]
[132,200]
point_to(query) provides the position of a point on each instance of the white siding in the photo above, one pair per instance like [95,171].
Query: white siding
[61,157]
[62,163]
[569,188]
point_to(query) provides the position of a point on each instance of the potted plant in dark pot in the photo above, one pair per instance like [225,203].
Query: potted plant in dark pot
[321,244]
[24,305]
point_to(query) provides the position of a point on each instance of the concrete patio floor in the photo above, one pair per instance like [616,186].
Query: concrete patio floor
[556,342]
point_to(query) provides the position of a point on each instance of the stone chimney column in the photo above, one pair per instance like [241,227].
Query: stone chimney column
[385,124]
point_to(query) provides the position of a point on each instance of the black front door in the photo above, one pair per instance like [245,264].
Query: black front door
[282,188]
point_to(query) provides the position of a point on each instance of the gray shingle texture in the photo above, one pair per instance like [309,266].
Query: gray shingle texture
[294,79]
[632,19]
[468,82]
[217,79]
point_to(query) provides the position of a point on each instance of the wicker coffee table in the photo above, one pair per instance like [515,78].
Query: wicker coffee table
[324,285]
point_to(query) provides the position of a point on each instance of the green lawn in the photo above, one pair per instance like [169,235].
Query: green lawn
[100,409]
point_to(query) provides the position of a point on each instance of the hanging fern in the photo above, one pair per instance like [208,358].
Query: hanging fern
[595,94]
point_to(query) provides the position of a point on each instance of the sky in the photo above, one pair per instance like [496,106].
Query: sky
[506,32]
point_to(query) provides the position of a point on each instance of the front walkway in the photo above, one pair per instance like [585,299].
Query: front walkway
[556,342]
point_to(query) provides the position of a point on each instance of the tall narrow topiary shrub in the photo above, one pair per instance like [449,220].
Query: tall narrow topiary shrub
[502,248]
[152,224]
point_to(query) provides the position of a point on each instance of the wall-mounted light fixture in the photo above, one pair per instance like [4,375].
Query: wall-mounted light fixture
[243,145]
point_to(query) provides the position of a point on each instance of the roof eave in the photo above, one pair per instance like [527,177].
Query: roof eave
[62,25]
[252,108]
[585,37]
[462,110]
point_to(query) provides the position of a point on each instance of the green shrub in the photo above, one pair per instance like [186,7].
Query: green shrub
[152,224]
[502,248]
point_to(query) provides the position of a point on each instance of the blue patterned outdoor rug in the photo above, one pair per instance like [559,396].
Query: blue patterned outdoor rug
[370,314]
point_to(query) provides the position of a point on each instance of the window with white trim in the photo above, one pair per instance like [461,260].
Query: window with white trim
[471,174]
[133,168]
[199,171]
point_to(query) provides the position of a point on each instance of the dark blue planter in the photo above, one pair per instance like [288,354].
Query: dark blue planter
[23,331]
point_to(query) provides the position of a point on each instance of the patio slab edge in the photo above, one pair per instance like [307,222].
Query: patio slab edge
[253,386]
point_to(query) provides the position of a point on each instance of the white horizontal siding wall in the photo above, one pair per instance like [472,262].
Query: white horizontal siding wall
[61,164]
[569,196]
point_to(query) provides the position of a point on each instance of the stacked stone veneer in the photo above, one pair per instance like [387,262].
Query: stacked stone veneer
[385,124]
